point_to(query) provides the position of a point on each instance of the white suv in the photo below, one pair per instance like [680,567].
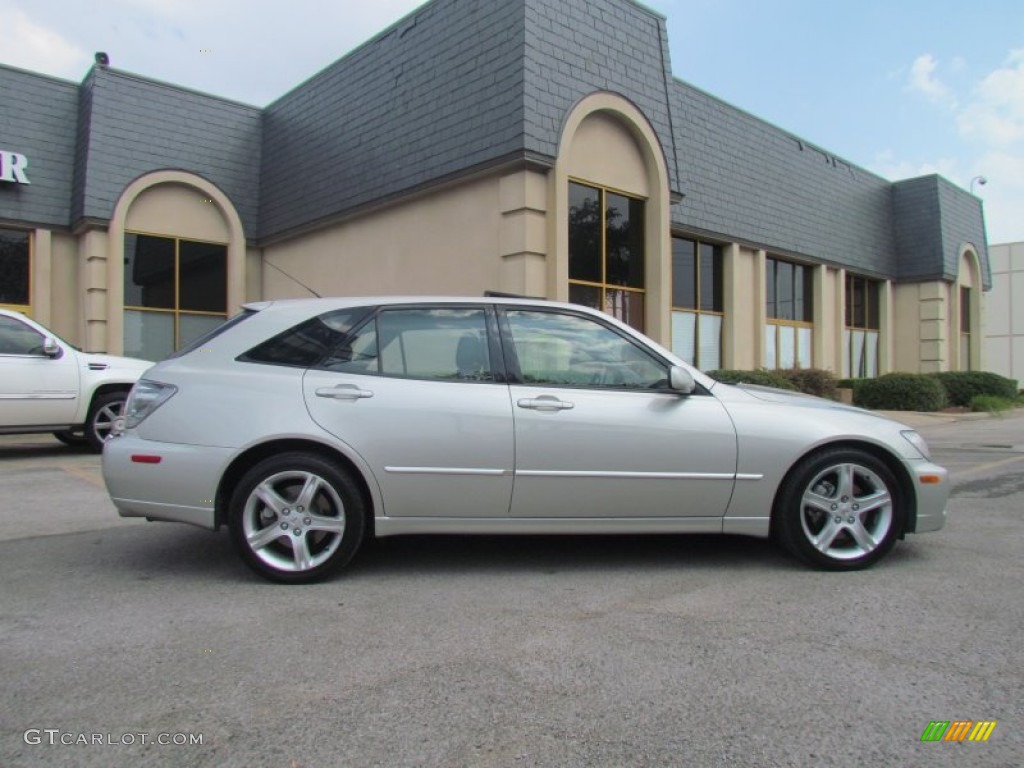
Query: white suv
[47,385]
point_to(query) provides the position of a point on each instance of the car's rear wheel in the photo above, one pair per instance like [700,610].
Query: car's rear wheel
[296,518]
[840,509]
[106,408]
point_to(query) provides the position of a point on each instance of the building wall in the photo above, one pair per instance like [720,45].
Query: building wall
[1004,312]
[447,242]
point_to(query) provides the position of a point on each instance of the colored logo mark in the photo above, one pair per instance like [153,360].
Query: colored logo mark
[958,730]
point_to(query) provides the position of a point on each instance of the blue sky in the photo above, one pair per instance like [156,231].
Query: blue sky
[900,87]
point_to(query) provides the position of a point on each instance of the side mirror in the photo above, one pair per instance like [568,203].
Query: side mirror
[681,380]
[50,347]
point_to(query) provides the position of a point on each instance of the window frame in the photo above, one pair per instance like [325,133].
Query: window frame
[965,330]
[779,323]
[718,255]
[30,248]
[603,285]
[872,293]
[176,312]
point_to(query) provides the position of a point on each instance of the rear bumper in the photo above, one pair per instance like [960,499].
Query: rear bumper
[164,481]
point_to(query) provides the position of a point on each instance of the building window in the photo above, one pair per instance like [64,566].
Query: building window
[174,291]
[697,302]
[860,337]
[965,328]
[606,252]
[15,261]
[789,332]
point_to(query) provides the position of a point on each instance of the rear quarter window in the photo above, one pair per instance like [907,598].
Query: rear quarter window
[308,343]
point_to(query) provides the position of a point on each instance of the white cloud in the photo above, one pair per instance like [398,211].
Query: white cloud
[996,115]
[30,45]
[1003,195]
[885,164]
[923,80]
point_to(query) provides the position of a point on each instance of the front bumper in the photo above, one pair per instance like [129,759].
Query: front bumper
[164,481]
[932,488]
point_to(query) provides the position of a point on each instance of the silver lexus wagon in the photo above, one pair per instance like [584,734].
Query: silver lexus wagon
[306,426]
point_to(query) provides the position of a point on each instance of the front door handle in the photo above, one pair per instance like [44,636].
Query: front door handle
[545,403]
[344,392]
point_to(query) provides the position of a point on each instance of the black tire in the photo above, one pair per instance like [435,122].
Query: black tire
[105,408]
[840,509]
[276,497]
[74,439]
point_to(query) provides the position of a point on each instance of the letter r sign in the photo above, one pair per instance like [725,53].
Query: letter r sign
[12,167]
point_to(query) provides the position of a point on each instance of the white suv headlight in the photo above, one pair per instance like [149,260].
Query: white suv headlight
[145,398]
[912,437]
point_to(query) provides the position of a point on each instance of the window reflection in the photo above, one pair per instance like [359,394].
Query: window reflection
[569,350]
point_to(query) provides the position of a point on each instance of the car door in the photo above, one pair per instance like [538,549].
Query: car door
[35,389]
[418,392]
[598,434]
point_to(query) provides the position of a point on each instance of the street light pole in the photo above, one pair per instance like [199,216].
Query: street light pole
[980,180]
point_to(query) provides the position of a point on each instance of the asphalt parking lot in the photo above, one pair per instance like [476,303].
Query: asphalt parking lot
[457,651]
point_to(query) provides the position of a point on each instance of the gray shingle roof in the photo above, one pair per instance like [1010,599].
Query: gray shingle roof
[576,47]
[136,125]
[38,120]
[749,180]
[934,220]
[436,94]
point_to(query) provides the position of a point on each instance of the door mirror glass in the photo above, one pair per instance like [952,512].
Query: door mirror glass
[681,380]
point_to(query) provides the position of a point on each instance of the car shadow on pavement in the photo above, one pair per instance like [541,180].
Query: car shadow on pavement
[167,550]
[423,555]
[11,449]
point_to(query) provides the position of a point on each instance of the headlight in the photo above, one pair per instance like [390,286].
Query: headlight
[145,398]
[912,437]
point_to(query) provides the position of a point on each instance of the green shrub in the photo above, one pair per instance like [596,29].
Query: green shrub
[762,377]
[849,383]
[901,392]
[812,381]
[963,386]
[991,404]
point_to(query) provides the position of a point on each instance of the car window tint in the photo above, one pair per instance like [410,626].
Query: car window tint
[357,352]
[575,351]
[307,343]
[441,343]
[16,338]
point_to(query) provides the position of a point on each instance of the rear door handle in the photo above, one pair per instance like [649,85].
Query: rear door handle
[344,392]
[545,403]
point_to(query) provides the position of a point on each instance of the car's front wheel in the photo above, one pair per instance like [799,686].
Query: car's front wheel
[105,410]
[296,518]
[840,509]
